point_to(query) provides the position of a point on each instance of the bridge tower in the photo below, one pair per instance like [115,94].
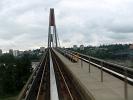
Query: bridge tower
[52,35]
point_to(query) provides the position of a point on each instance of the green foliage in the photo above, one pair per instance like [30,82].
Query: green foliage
[114,51]
[7,58]
[14,72]
[8,82]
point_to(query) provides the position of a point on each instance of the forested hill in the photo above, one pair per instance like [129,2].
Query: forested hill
[122,52]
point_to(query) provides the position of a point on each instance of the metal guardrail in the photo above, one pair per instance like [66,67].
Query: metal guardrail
[122,72]
[115,67]
[25,93]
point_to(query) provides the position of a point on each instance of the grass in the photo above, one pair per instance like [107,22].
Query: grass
[9,97]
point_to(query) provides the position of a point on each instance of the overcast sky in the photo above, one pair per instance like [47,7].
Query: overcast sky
[24,23]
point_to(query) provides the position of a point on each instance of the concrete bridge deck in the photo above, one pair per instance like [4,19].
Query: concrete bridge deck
[111,88]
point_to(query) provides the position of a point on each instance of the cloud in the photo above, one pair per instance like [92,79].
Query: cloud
[24,24]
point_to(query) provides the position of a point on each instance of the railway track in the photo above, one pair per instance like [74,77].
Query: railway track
[66,88]
[35,84]
[51,82]
[44,86]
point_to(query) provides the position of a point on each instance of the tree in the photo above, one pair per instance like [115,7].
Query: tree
[8,80]
[7,58]
[14,72]
[23,70]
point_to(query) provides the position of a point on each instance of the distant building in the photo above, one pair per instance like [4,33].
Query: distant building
[42,49]
[75,47]
[21,52]
[0,52]
[27,52]
[81,47]
[131,46]
[11,51]
[16,53]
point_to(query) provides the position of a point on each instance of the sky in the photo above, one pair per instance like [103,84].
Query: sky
[24,23]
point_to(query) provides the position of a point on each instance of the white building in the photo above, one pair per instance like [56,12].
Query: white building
[75,47]
[21,52]
[0,52]
[16,53]
[81,47]
[42,49]
[11,51]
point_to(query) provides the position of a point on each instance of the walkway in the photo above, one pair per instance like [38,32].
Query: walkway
[111,88]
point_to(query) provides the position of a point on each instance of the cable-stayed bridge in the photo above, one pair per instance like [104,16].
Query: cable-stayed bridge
[67,75]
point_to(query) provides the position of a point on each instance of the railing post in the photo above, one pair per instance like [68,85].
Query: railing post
[77,57]
[89,65]
[81,63]
[72,57]
[125,85]
[101,71]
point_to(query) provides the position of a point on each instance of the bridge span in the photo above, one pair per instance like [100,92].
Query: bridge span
[64,75]
[68,75]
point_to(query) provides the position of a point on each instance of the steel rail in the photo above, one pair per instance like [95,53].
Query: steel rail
[41,83]
[27,87]
[36,77]
[70,94]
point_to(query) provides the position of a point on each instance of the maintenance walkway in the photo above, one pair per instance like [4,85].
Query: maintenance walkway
[111,88]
